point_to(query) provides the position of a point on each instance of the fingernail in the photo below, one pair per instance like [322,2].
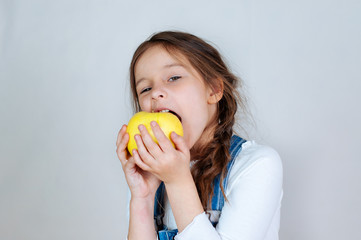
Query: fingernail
[141,127]
[153,123]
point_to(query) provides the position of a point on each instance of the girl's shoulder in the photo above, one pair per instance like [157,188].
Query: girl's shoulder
[253,151]
[256,157]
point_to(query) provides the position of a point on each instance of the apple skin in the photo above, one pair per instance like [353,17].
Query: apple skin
[168,122]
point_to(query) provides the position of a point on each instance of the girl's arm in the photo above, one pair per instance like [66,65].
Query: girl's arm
[184,200]
[143,186]
[141,223]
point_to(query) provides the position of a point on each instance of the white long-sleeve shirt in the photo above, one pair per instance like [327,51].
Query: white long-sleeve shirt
[254,194]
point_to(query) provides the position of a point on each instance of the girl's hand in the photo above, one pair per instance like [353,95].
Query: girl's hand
[142,184]
[169,164]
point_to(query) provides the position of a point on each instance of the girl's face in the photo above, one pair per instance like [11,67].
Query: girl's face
[164,82]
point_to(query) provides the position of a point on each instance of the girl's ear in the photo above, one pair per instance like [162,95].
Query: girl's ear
[216,92]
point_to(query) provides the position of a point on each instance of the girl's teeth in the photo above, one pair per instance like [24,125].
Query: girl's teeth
[166,110]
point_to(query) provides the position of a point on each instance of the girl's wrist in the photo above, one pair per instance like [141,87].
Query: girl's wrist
[184,184]
[142,207]
[149,195]
[180,181]
[142,200]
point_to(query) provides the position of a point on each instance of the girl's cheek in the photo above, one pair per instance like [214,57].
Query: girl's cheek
[145,105]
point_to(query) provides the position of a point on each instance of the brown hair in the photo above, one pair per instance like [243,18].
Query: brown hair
[206,60]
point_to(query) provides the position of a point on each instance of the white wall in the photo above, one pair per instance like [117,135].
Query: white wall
[305,78]
[63,92]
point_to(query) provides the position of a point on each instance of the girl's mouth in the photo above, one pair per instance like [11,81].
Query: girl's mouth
[174,113]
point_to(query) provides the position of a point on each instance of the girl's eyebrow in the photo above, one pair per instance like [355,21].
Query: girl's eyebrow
[174,65]
[138,81]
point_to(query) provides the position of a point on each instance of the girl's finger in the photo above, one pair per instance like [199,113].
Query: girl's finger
[143,152]
[129,165]
[121,133]
[122,151]
[179,142]
[152,147]
[139,161]
[162,139]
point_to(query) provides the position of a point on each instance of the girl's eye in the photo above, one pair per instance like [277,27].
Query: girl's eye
[145,90]
[174,78]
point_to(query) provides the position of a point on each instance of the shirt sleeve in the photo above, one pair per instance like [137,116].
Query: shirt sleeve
[254,198]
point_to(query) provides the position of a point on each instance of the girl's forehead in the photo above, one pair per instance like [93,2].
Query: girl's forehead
[158,57]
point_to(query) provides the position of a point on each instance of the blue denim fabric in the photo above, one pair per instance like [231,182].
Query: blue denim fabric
[217,200]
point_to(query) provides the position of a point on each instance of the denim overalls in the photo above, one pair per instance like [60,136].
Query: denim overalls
[217,199]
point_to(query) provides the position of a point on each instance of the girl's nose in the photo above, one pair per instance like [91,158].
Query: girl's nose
[158,93]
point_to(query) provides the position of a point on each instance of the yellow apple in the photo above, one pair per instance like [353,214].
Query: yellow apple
[168,122]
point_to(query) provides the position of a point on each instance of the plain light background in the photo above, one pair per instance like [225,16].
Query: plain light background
[64,96]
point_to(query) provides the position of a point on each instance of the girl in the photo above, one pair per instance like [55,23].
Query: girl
[213,184]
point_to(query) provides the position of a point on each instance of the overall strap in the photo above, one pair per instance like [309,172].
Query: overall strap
[158,207]
[161,228]
[218,198]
